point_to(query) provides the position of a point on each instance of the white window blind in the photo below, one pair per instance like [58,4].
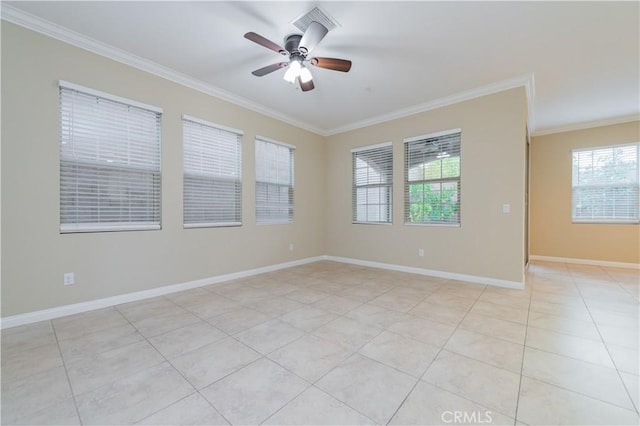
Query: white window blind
[274,182]
[212,174]
[372,183]
[109,162]
[605,184]
[432,179]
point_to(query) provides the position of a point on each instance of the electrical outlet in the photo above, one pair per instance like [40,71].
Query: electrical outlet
[69,278]
[421,252]
[290,246]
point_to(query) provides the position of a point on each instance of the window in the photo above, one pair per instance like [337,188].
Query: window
[605,184]
[211,182]
[274,182]
[432,179]
[372,183]
[109,162]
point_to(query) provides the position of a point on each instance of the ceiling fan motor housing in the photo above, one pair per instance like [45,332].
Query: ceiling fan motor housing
[292,42]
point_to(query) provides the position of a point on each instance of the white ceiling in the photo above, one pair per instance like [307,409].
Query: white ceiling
[583,56]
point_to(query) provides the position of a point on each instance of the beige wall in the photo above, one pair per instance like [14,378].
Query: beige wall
[35,255]
[552,233]
[488,243]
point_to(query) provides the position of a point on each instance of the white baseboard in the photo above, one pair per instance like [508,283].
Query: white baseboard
[76,308]
[605,263]
[432,273]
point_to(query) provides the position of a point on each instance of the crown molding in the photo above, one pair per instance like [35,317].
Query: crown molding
[42,26]
[525,81]
[587,125]
[530,90]
[58,32]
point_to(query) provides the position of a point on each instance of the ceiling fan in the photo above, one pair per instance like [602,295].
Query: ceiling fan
[297,47]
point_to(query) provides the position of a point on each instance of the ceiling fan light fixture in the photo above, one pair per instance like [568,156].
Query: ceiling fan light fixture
[293,71]
[305,75]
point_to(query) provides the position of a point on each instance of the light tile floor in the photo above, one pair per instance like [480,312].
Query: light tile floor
[330,343]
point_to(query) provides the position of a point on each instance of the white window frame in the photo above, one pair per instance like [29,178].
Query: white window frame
[209,142]
[278,181]
[575,187]
[374,152]
[141,156]
[433,137]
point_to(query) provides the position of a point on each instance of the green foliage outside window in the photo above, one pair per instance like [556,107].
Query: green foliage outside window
[432,205]
[435,201]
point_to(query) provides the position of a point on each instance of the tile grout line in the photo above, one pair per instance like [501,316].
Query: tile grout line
[485,334]
[636,298]
[407,396]
[311,384]
[66,373]
[100,330]
[318,389]
[471,358]
[436,356]
[437,353]
[144,338]
[524,349]
[357,351]
[598,365]
[633,403]
[305,333]
[173,367]
[265,356]
[572,358]
[170,405]
[560,386]
[354,352]
[555,385]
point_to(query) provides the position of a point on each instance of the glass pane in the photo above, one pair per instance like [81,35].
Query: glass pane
[432,170]
[434,202]
[372,176]
[450,167]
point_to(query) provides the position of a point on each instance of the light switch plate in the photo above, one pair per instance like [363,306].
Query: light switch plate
[506,208]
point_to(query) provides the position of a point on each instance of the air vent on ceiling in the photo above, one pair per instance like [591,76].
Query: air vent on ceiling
[317,15]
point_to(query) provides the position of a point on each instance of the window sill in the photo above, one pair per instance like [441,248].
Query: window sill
[606,222]
[441,225]
[95,227]
[211,225]
[372,223]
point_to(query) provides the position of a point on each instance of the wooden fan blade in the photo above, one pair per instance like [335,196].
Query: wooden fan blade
[331,64]
[306,86]
[269,69]
[312,36]
[257,38]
